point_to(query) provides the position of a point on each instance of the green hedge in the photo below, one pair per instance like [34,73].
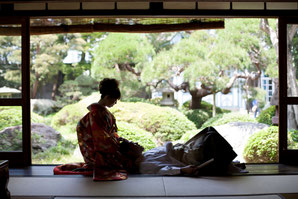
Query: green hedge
[266,115]
[12,116]
[200,116]
[197,116]
[225,118]
[70,114]
[166,124]
[262,147]
[133,133]
[163,122]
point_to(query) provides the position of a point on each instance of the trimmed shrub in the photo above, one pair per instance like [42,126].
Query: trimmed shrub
[200,116]
[197,116]
[163,122]
[225,118]
[166,124]
[12,116]
[206,107]
[266,115]
[133,133]
[294,135]
[135,99]
[262,147]
[70,114]
[65,121]
[155,101]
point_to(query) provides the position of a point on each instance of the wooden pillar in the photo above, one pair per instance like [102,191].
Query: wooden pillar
[4,178]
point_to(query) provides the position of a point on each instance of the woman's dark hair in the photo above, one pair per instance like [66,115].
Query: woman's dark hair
[109,87]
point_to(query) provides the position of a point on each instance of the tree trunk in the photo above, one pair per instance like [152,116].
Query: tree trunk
[196,97]
[291,76]
[214,105]
[53,95]
[195,102]
[292,91]
[35,86]
[58,82]
[36,82]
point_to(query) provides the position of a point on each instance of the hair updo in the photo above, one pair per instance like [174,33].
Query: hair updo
[109,87]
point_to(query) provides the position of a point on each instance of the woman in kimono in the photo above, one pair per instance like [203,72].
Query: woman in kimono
[97,136]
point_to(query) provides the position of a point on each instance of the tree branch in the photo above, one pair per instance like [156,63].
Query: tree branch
[129,68]
[154,84]
[264,26]
[183,86]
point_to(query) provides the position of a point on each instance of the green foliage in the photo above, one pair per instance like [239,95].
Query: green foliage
[200,116]
[69,115]
[266,115]
[294,135]
[14,143]
[10,61]
[225,118]
[155,101]
[197,116]
[166,124]
[72,91]
[133,133]
[262,147]
[87,84]
[48,53]
[12,116]
[260,95]
[136,99]
[124,60]
[162,41]
[57,154]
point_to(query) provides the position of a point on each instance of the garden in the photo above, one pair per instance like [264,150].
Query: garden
[66,70]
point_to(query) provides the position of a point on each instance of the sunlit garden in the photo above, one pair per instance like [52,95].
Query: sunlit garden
[173,85]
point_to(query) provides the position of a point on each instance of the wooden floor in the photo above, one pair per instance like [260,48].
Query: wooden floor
[46,171]
[253,169]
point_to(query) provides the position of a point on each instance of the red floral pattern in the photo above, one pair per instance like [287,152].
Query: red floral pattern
[98,139]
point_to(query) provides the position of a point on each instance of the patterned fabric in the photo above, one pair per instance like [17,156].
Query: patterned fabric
[98,140]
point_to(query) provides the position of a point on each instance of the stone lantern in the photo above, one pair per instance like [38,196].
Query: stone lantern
[167,97]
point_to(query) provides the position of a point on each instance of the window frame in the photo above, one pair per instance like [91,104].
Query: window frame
[285,155]
[23,158]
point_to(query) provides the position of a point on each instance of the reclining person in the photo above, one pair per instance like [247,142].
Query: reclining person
[207,153]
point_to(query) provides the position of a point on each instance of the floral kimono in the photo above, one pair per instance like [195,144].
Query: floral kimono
[99,144]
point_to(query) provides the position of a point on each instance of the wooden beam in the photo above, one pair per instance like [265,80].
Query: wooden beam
[154,28]
[70,1]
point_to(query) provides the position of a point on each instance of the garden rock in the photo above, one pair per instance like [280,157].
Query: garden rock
[238,133]
[43,138]
[43,106]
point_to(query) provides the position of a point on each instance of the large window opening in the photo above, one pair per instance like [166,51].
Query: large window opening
[224,78]
[173,83]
